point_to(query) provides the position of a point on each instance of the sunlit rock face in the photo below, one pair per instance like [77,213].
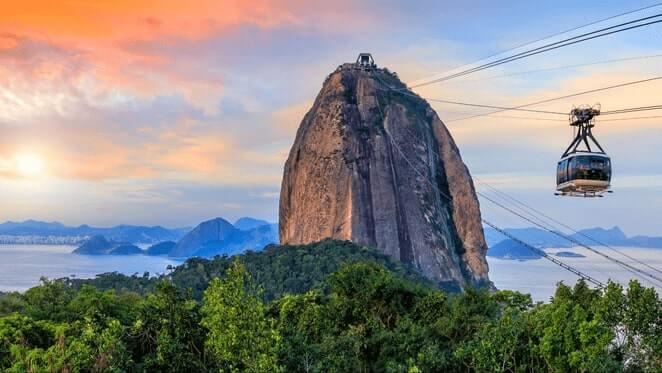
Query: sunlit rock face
[379,168]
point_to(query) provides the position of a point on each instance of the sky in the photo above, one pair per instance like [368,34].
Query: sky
[173,112]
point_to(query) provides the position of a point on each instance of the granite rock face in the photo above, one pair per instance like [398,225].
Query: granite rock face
[378,167]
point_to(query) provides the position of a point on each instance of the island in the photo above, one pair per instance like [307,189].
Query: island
[511,249]
[569,254]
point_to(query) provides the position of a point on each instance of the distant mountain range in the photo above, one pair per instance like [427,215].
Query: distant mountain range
[218,236]
[39,232]
[210,238]
[503,247]
[544,239]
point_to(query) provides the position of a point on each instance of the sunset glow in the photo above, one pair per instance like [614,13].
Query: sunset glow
[29,165]
[196,105]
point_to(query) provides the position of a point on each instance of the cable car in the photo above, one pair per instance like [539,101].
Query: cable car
[584,172]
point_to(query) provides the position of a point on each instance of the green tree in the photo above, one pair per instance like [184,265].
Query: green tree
[48,301]
[642,323]
[240,335]
[503,345]
[168,332]
[572,335]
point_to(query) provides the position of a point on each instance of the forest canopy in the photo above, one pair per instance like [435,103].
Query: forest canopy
[357,312]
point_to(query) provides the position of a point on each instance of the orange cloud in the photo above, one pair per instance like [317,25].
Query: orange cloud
[109,20]
[114,49]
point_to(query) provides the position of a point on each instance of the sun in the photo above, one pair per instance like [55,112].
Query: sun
[29,165]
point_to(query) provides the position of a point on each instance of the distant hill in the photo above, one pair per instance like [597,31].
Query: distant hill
[210,238]
[569,254]
[247,223]
[510,249]
[279,270]
[161,248]
[38,232]
[544,239]
[99,245]
[219,237]
[533,236]
[613,236]
[645,241]
[126,249]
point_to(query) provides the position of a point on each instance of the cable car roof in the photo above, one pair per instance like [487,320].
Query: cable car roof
[585,154]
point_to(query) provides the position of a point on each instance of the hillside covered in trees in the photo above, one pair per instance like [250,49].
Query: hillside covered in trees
[331,306]
[278,270]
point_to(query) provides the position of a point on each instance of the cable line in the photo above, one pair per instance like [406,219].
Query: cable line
[535,211]
[562,97]
[530,247]
[546,256]
[634,118]
[559,68]
[557,120]
[541,222]
[553,35]
[632,110]
[521,107]
[494,107]
[559,44]
[636,271]
[501,108]
[542,253]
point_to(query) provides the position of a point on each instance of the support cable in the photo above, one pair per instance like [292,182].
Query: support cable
[556,68]
[556,34]
[636,271]
[549,218]
[538,251]
[552,46]
[563,97]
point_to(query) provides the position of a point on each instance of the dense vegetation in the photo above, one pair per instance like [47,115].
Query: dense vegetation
[278,270]
[364,316]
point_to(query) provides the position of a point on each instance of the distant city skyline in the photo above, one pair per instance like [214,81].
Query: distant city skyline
[173,113]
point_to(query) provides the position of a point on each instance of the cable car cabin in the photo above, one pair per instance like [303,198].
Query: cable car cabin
[583,173]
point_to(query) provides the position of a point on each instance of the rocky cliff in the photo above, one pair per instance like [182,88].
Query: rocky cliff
[373,163]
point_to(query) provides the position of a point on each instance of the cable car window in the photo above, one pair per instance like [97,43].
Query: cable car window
[590,168]
[562,172]
[572,168]
[598,163]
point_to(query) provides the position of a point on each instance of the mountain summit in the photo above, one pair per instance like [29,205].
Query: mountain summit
[373,163]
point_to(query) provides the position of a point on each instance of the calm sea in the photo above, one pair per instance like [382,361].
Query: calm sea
[539,277]
[21,266]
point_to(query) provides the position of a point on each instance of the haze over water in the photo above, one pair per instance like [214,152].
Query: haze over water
[539,277]
[21,267]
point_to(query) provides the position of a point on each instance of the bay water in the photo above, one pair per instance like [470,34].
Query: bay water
[21,267]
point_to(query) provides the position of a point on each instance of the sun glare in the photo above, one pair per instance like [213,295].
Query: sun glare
[29,165]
